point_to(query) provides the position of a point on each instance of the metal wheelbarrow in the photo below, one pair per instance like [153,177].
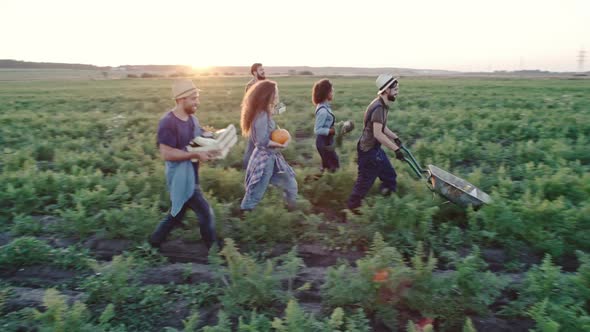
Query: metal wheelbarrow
[448,185]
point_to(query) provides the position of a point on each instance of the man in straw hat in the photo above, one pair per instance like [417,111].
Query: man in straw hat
[175,131]
[372,160]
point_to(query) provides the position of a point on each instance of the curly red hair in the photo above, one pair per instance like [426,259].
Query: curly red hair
[259,98]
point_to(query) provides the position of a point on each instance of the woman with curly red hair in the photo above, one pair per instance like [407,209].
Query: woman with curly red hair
[266,164]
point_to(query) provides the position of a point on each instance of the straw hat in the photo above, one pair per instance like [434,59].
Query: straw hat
[183,88]
[384,81]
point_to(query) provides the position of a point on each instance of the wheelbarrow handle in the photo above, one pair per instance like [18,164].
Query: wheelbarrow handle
[413,162]
[414,168]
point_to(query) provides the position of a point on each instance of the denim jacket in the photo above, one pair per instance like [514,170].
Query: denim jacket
[324,119]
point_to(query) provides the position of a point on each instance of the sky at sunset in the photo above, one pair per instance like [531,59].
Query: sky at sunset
[453,35]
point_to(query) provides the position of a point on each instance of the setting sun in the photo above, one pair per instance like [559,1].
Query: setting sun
[200,68]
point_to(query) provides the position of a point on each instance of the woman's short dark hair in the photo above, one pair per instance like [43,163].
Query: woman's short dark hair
[321,91]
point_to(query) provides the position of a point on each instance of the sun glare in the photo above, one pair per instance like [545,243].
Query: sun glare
[200,68]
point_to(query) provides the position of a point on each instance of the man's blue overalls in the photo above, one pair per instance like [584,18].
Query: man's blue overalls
[372,164]
[325,146]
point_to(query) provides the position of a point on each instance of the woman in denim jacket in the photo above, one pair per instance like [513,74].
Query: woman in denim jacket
[322,95]
[266,164]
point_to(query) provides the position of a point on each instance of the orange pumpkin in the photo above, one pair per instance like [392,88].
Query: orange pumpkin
[381,276]
[280,136]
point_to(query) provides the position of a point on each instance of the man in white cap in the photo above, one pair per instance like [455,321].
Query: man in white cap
[373,163]
[175,131]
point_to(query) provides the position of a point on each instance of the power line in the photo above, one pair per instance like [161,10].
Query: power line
[581,59]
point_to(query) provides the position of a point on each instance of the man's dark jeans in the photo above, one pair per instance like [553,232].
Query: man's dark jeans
[204,213]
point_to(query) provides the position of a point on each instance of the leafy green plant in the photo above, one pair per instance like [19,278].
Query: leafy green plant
[554,299]
[270,223]
[256,322]
[295,319]
[380,281]
[26,225]
[4,293]
[113,282]
[248,284]
[61,317]
[137,307]
[190,324]
[468,326]
[225,184]
[538,312]
[328,191]
[73,257]
[419,327]
[469,289]
[25,251]
[405,221]
[223,324]
[199,295]
[145,255]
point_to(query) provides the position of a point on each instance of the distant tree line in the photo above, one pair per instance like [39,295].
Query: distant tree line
[46,65]
[178,74]
[302,72]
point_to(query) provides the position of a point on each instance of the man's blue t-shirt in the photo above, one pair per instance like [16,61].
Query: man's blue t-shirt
[177,133]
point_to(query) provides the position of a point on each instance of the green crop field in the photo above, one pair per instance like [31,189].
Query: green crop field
[82,186]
